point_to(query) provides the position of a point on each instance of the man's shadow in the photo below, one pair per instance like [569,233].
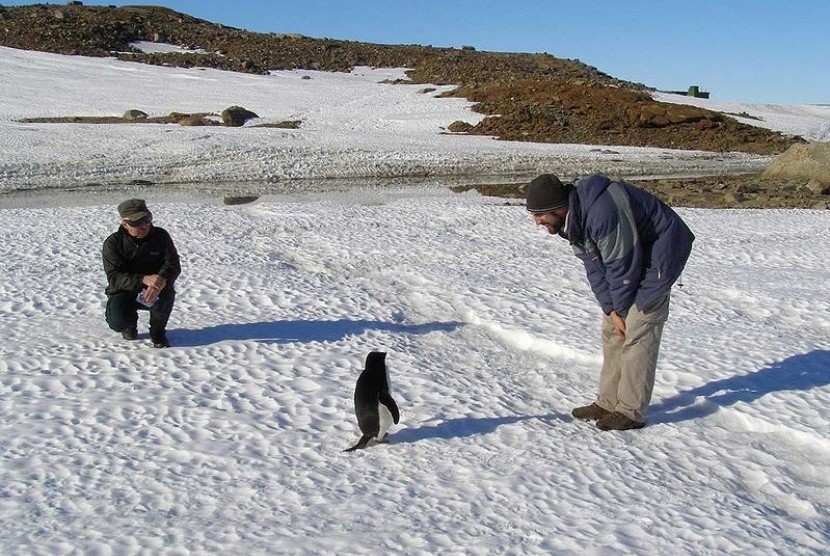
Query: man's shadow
[286,331]
[466,426]
[799,372]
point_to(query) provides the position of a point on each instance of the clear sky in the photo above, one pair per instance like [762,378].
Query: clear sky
[767,51]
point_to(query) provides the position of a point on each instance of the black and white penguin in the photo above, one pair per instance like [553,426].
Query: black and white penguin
[373,405]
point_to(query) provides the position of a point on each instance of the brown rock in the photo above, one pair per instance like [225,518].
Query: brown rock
[239,199]
[810,161]
[134,114]
[236,116]
[459,127]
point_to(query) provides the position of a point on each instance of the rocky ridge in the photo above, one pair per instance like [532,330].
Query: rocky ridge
[529,97]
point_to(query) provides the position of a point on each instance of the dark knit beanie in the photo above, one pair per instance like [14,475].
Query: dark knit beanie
[546,193]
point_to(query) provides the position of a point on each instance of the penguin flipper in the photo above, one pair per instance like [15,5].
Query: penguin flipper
[386,399]
[364,440]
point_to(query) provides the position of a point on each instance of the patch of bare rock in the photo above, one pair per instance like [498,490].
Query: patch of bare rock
[233,116]
[751,191]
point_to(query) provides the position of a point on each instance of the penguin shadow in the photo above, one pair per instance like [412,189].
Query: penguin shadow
[463,427]
[289,331]
[797,373]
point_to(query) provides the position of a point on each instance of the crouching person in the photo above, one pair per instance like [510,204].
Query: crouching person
[141,264]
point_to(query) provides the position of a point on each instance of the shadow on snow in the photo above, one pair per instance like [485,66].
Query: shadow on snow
[466,426]
[799,372]
[287,331]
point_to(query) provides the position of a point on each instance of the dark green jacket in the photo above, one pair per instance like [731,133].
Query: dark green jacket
[127,260]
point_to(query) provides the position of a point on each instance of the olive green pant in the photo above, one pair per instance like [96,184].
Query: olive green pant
[629,362]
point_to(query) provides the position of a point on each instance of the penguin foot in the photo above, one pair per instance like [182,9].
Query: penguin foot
[364,440]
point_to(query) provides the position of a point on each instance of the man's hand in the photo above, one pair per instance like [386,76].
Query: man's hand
[154,281]
[155,284]
[150,296]
[619,323]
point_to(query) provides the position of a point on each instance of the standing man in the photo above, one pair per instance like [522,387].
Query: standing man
[142,264]
[634,248]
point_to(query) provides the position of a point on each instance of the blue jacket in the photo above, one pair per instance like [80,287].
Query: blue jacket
[633,246]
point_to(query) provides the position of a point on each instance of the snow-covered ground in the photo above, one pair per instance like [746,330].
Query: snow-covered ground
[230,441]
[353,126]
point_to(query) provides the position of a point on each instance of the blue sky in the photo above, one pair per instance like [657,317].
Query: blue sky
[766,51]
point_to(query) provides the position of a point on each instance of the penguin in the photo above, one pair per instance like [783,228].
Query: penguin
[373,405]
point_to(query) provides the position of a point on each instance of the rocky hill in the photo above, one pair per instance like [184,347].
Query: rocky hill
[530,97]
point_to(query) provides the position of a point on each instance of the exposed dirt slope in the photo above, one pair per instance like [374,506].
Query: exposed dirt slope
[531,97]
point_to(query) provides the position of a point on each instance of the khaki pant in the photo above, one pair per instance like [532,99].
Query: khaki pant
[629,362]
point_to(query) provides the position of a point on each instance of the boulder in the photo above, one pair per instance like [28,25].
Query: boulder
[235,116]
[239,199]
[134,114]
[459,127]
[809,161]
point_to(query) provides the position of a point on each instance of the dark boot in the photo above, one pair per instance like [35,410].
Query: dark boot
[129,333]
[159,338]
[590,412]
[618,422]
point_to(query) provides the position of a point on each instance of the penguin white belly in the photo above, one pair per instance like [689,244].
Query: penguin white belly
[385,420]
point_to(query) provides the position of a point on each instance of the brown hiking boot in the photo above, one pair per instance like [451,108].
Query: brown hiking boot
[618,422]
[590,412]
